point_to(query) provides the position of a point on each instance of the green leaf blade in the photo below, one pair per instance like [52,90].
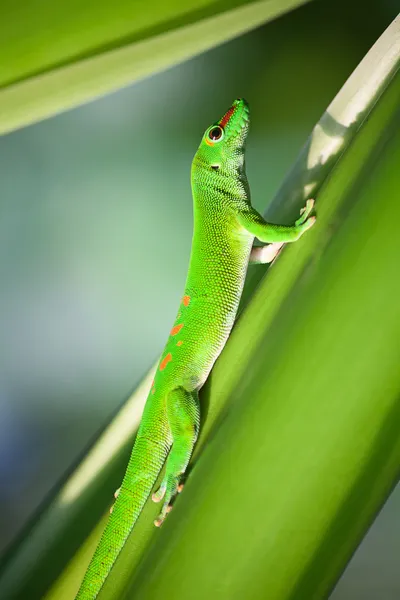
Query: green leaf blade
[47,72]
[309,449]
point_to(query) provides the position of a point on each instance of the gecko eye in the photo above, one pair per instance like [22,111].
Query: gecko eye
[216,133]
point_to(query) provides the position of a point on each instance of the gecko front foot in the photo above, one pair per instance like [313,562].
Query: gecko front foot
[305,211]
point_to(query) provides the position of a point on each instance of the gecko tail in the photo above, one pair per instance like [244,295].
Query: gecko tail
[144,465]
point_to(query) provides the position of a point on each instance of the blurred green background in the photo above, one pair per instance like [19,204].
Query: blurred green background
[95,233]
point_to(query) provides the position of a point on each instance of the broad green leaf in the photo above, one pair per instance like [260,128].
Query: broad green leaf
[57,55]
[308,449]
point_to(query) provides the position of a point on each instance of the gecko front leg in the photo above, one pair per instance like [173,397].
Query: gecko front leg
[266,254]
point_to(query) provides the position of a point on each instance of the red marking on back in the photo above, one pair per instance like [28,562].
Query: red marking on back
[179,343]
[176,329]
[225,119]
[186,300]
[165,361]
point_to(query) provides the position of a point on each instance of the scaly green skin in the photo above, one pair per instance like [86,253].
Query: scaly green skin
[225,225]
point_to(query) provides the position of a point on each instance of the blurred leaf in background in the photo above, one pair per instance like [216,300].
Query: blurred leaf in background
[56,55]
[91,278]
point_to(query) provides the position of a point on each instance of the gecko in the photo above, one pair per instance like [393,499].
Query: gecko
[225,227]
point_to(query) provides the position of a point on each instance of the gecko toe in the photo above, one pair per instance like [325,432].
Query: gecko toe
[170,491]
[305,211]
[160,493]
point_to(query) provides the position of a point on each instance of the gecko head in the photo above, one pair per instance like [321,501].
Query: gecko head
[222,146]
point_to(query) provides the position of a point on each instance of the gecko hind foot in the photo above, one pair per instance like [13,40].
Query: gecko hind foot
[160,493]
[184,419]
[168,490]
[116,494]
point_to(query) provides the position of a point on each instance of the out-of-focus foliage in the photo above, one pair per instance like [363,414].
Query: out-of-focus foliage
[56,55]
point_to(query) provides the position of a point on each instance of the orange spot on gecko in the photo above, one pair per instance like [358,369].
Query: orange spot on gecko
[165,361]
[176,329]
[179,343]
[153,389]
[186,300]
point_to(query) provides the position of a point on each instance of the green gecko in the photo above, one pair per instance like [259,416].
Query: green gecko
[225,225]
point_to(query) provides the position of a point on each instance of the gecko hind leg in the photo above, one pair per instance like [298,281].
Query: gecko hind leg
[184,420]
